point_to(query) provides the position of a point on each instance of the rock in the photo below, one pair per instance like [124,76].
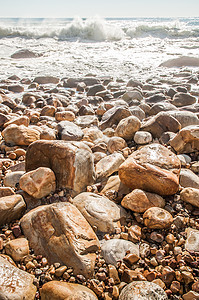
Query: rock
[46,79]
[17,248]
[182,61]
[152,168]
[64,116]
[160,123]
[18,121]
[15,284]
[161,106]
[132,95]
[20,135]
[87,121]
[55,290]
[157,218]
[6,191]
[183,99]
[93,90]
[48,110]
[190,195]
[113,116]
[69,131]
[99,211]
[192,241]
[142,290]
[11,208]
[186,118]
[16,88]
[127,127]
[189,179]
[157,97]
[109,164]
[3,119]
[114,185]
[116,143]
[47,133]
[72,162]
[142,137]
[11,179]
[38,183]
[92,134]
[187,140]
[138,112]
[25,53]
[61,234]
[114,250]
[139,201]
[191,295]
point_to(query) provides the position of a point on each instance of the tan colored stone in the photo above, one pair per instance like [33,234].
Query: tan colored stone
[60,233]
[127,127]
[38,183]
[189,179]
[15,284]
[55,290]
[18,121]
[72,162]
[6,191]
[12,178]
[157,218]
[48,110]
[17,248]
[114,185]
[140,201]
[109,164]
[152,168]
[11,208]
[65,116]
[191,295]
[192,241]
[190,195]
[116,143]
[20,135]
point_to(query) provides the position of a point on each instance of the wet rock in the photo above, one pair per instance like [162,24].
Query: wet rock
[55,290]
[153,168]
[17,248]
[38,183]
[142,137]
[127,127]
[187,140]
[157,218]
[69,131]
[15,283]
[72,162]
[99,211]
[189,179]
[114,250]
[160,123]
[139,201]
[109,164]
[190,195]
[11,208]
[60,233]
[20,135]
[142,290]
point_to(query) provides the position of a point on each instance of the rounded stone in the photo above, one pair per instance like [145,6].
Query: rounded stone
[116,143]
[157,218]
[190,195]
[143,137]
[127,127]
[142,290]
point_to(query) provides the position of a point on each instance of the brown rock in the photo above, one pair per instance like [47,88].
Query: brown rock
[109,164]
[18,121]
[114,116]
[127,127]
[191,295]
[134,233]
[116,143]
[48,110]
[20,135]
[190,195]
[38,183]
[11,208]
[11,179]
[140,201]
[55,290]
[157,218]
[15,284]
[152,168]
[113,273]
[17,248]
[6,191]
[46,79]
[168,275]
[64,116]
[72,162]
[60,233]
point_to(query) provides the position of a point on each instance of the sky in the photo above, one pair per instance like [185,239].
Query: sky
[102,8]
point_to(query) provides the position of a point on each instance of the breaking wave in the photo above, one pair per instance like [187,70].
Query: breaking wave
[96,29]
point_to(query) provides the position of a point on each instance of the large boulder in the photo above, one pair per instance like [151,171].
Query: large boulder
[152,168]
[15,284]
[143,290]
[72,162]
[11,208]
[38,183]
[99,211]
[55,290]
[20,135]
[187,140]
[60,232]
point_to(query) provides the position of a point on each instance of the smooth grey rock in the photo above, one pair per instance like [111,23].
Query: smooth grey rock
[189,179]
[12,178]
[186,118]
[143,137]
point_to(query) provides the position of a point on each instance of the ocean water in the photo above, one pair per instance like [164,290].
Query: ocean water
[121,48]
